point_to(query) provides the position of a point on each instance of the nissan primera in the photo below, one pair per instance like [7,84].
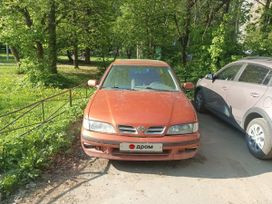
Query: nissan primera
[140,112]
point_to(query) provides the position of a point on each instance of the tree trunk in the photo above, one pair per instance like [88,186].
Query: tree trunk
[87,55]
[185,32]
[75,41]
[184,38]
[266,18]
[69,55]
[16,55]
[39,50]
[116,53]
[52,38]
[227,8]
[75,60]
[129,53]
[104,62]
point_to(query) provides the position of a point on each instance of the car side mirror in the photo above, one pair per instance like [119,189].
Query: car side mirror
[93,83]
[188,86]
[209,76]
[212,77]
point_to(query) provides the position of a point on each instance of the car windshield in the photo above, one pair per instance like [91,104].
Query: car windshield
[140,78]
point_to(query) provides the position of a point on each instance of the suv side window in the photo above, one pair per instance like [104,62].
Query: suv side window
[255,74]
[229,73]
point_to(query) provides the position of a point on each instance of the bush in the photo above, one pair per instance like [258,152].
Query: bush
[22,158]
[37,73]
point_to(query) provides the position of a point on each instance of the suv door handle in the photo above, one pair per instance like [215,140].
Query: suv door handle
[224,88]
[254,95]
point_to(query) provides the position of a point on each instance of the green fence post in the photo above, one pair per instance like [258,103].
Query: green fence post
[43,116]
[70,97]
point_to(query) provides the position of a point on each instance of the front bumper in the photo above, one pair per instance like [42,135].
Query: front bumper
[107,146]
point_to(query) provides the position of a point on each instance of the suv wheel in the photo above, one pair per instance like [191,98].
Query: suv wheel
[259,139]
[199,102]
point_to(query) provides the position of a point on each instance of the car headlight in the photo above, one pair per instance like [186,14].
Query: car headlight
[98,126]
[183,129]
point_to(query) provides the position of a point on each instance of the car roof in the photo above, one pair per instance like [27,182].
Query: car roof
[266,61]
[140,62]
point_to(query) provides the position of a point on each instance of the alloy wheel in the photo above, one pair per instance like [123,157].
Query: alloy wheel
[256,137]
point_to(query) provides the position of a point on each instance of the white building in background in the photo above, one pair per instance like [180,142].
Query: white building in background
[256,5]
[254,14]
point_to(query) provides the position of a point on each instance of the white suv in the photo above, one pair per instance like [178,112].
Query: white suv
[241,94]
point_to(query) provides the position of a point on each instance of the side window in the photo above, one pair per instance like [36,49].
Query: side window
[229,73]
[255,74]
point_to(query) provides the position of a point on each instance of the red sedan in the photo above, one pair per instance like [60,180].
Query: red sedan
[139,112]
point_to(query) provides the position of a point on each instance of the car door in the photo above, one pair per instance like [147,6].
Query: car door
[247,90]
[217,89]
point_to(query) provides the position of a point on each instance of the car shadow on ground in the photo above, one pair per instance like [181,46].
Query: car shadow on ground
[59,184]
[223,154]
[79,179]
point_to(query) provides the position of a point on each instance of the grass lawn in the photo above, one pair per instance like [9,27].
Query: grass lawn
[5,60]
[16,92]
[24,153]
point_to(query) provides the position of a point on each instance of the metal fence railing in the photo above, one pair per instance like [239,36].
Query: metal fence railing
[32,116]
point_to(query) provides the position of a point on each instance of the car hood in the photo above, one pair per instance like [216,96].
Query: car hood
[149,108]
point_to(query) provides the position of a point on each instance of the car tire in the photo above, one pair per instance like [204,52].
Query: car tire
[199,102]
[259,139]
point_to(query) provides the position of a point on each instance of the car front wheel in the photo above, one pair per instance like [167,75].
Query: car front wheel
[259,138]
[199,102]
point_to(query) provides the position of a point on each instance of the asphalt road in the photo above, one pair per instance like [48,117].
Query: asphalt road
[223,172]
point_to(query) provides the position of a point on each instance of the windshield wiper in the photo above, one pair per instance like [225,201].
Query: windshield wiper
[117,87]
[153,89]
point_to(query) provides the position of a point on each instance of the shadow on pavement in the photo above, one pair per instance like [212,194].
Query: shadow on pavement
[79,179]
[223,154]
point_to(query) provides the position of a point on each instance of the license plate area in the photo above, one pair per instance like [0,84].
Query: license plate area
[141,147]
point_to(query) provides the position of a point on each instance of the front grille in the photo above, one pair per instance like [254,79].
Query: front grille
[158,130]
[127,129]
[153,130]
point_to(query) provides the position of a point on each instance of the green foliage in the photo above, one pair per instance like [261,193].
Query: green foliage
[207,33]
[143,24]
[16,91]
[212,32]
[259,31]
[224,47]
[22,158]
[258,42]
[87,24]
[217,47]
[12,84]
